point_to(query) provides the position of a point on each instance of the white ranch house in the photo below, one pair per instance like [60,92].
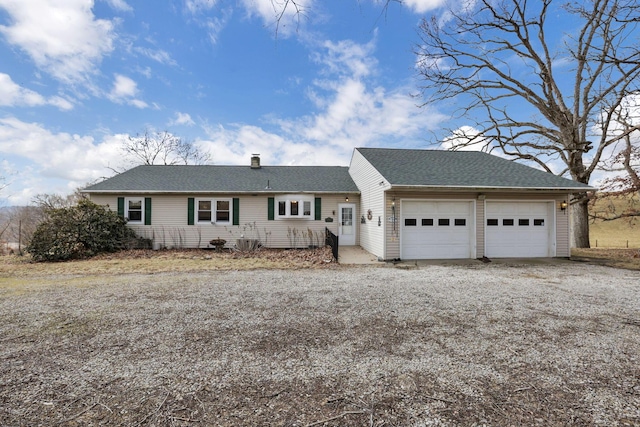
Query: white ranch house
[394,203]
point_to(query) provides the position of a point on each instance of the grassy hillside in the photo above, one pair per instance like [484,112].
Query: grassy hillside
[617,233]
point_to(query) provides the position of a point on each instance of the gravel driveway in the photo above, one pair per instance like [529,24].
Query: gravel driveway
[434,346]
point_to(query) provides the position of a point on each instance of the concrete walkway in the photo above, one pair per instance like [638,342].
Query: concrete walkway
[348,255]
[355,255]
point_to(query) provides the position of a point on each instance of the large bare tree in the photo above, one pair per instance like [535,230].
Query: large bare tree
[540,80]
[622,182]
[162,148]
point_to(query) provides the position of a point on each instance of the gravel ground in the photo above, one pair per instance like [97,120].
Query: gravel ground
[432,346]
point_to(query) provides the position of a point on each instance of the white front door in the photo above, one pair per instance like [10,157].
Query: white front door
[346,224]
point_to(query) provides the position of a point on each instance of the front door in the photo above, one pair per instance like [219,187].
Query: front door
[346,224]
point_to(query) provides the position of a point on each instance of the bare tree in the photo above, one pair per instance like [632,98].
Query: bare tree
[623,182]
[57,201]
[532,94]
[162,148]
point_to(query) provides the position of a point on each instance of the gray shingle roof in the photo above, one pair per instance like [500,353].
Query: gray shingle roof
[228,179]
[437,168]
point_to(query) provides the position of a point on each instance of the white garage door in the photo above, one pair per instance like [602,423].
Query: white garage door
[519,229]
[437,230]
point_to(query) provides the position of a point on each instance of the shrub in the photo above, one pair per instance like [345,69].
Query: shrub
[80,231]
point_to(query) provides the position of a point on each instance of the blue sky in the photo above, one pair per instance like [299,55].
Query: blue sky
[79,76]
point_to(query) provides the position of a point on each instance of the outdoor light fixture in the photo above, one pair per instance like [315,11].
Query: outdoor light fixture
[393,213]
[563,205]
[346,199]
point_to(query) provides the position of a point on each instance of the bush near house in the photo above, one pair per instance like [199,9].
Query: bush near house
[80,231]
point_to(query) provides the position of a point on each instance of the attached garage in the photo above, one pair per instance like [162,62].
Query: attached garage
[437,229]
[519,229]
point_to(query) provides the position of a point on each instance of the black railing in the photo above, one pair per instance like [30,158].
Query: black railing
[332,240]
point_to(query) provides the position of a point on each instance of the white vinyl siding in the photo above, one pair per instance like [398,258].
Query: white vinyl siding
[372,186]
[170,227]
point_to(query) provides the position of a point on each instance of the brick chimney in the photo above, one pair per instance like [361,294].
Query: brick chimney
[255,161]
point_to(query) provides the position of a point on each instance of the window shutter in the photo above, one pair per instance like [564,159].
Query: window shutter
[318,215]
[147,211]
[236,211]
[271,209]
[190,210]
[121,207]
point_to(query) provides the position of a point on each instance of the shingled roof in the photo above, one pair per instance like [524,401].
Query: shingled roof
[228,179]
[461,169]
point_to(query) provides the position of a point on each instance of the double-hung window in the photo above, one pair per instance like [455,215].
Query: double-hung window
[134,209]
[294,206]
[214,211]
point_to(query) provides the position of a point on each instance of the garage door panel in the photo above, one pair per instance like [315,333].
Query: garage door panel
[429,229]
[518,229]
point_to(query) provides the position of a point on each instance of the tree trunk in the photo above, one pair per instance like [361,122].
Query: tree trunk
[580,224]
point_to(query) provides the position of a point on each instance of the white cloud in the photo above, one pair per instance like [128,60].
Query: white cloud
[182,119]
[198,6]
[352,112]
[123,87]
[236,144]
[215,25]
[347,57]
[158,55]
[12,94]
[124,90]
[46,162]
[120,5]
[422,6]
[138,103]
[286,16]
[465,138]
[62,37]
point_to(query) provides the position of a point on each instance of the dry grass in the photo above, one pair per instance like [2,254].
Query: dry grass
[150,262]
[619,233]
[482,344]
[618,258]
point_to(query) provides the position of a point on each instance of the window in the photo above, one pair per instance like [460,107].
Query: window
[460,222]
[538,222]
[444,221]
[134,207]
[204,210]
[507,222]
[213,211]
[427,222]
[223,210]
[410,222]
[294,206]
[492,222]
[523,222]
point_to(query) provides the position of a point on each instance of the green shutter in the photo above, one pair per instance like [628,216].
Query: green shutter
[147,211]
[121,207]
[190,210]
[236,211]
[318,216]
[271,209]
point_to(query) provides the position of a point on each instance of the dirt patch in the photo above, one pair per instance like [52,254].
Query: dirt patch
[433,346]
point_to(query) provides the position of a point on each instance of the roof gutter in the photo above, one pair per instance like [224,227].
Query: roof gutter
[489,188]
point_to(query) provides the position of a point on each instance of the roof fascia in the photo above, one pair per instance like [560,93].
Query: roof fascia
[476,188]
